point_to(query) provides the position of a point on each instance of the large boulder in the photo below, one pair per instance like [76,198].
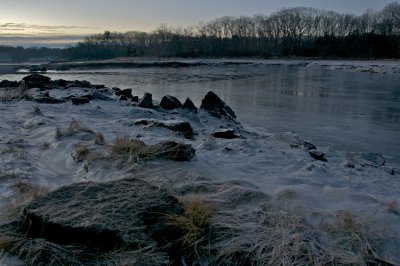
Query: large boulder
[189,105]
[216,107]
[147,101]
[35,80]
[169,102]
[128,213]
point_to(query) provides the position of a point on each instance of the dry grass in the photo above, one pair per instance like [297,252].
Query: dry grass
[354,246]
[25,192]
[73,128]
[132,151]
[99,139]
[127,151]
[194,223]
[266,236]
[80,154]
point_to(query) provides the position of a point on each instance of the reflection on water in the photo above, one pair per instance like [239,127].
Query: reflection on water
[347,110]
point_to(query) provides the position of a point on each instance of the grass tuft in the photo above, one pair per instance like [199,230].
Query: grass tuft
[72,129]
[127,151]
[99,139]
[194,223]
[354,247]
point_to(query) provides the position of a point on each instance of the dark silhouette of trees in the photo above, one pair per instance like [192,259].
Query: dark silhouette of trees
[20,54]
[298,31]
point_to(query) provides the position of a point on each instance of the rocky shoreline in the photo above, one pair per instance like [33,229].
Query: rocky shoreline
[133,181]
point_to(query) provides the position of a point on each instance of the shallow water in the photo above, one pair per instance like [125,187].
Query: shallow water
[344,110]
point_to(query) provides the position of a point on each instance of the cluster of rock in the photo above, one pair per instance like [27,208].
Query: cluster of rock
[211,102]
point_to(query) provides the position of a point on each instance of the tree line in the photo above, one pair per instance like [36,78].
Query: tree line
[299,31]
[20,54]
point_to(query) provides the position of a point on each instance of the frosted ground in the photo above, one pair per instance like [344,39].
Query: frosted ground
[264,159]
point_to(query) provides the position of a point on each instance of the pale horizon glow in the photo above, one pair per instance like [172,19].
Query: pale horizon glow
[26,19]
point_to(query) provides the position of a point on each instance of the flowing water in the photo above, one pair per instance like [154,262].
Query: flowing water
[344,110]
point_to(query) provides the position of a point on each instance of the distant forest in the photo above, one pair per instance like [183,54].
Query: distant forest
[296,31]
[20,54]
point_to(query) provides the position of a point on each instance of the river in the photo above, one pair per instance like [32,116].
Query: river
[345,110]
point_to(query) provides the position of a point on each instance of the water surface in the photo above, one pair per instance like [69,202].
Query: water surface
[348,111]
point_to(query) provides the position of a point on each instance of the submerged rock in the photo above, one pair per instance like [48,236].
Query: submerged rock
[147,101]
[189,105]
[216,107]
[169,102]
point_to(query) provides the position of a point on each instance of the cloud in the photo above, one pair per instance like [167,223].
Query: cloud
[39,27]
[57,41]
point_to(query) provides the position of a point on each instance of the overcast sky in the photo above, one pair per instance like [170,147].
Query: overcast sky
[74,17]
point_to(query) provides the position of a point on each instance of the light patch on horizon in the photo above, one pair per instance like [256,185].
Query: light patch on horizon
[25,30]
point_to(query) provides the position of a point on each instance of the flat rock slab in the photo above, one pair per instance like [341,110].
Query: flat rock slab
[124,213]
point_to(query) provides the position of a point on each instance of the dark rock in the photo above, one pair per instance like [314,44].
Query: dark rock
[8,84]
[216,107]
[123,98]
[126,92]
[182,127]
[82,84]
[100,96]
[227,134]
[79,100]
[98,86]
[190,105]
[375,159]
[49,100]
[169,102]
[115,89]
[307,146]
[147,101]
[135,99]
[35,80]
[172,150]
[37,68]
[317,155]
[63,68]
[60,82]
[128,213]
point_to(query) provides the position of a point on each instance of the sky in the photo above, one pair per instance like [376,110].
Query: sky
[66,21]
